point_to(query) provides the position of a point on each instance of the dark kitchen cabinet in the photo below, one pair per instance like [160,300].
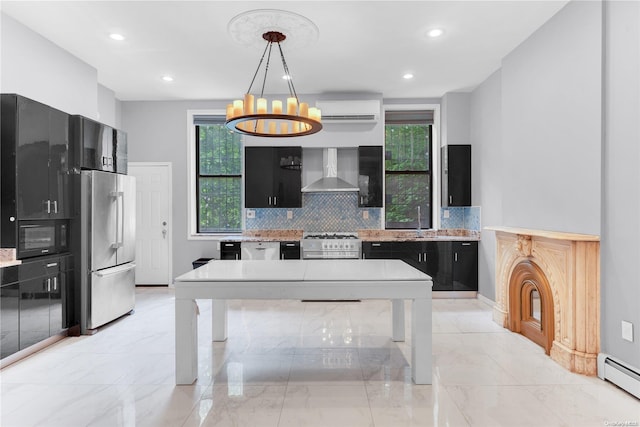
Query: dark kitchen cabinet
[370,176]
[465,266]
[456,175]
[290,250]
[9,311]
[94,145]
[378,250]
[230,250]
[36,160]
[453,266]
[273,177]
[431,257]
[43,288]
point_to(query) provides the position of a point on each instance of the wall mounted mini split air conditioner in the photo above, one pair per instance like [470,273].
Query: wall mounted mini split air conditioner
[366,111]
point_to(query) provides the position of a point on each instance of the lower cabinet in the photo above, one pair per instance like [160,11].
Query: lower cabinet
[230,250]
[453,266]
[9,311]
[465,266]
[35,307]
[290,250]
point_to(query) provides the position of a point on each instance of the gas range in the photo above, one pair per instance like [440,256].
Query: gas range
[332,245]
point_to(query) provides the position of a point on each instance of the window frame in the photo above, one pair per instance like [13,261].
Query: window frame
[192,175]
[434,156]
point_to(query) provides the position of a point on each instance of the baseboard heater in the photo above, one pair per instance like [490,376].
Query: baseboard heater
[619,373]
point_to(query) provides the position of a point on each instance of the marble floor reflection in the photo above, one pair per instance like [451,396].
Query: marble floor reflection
[291,363]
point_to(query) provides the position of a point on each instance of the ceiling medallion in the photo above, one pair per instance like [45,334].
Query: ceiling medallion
[252,118]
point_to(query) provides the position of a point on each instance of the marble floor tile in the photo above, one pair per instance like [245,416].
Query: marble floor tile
[498,406]
[293,363]
[326,405]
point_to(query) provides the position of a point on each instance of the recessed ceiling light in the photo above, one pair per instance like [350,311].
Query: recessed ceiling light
[436,32]
[408,76]
[167,78]
[116,36]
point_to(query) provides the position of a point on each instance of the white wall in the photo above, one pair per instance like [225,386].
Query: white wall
[620,253]
[108,107]
[551,97]
[486,165]
[551,124]
[455,118]
[157,132]
[32,66]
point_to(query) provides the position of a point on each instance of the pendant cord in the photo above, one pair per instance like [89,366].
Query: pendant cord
[292,89]
[258,69]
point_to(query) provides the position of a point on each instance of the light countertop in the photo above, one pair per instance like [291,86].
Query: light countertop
[356,270]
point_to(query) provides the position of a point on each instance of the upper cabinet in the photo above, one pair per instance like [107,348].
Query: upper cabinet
[370,176]
[273,177]
[36,160]
[456,175]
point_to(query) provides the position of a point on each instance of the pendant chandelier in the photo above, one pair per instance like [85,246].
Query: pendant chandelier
[250,116]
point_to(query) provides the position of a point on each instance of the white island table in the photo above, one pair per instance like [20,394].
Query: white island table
[303,280]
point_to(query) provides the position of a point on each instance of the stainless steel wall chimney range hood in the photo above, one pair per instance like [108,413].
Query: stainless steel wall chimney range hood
[330,181]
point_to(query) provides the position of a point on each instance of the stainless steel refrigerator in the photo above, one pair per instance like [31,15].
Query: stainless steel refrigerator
[108,247]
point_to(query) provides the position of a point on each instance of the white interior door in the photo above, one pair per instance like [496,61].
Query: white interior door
[153,222]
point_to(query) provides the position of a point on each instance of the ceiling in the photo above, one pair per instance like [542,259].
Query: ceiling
[362,46]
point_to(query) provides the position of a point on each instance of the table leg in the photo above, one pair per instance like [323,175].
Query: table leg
[219,319]
[421,341]
[186,341]
[397,313]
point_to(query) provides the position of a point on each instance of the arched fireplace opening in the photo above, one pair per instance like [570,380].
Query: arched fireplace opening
[531,304]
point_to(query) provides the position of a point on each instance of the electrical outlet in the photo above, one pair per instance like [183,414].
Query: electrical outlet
[251,213]
[365,214]
[627,331]
[289,214]
[446,213]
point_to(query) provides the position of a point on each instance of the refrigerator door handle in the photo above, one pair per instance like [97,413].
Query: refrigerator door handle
[119,196]
[122,212]
[117,270]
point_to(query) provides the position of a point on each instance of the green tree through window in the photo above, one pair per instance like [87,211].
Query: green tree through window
[408,168]
[219,177]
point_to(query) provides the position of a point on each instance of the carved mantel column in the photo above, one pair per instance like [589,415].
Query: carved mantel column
[571,264]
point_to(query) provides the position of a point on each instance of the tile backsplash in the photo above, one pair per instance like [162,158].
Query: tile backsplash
[319,212]
[340,212]
[467,217]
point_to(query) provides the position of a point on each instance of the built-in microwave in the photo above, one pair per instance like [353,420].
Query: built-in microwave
[42,237]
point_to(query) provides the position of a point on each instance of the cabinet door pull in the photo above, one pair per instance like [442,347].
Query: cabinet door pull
[269,200]
[466,244]
[376,244]
[419,257]
[289,244]
[456,257]
[48,285]
[450,199]
[425,256]
[55,283]
[275,201]
[55,206]
[48,206]
[52,264]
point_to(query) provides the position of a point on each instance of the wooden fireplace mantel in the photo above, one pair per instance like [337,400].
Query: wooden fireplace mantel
[571,264]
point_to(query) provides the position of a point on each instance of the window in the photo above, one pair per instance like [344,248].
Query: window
[218,176]
[408,142]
